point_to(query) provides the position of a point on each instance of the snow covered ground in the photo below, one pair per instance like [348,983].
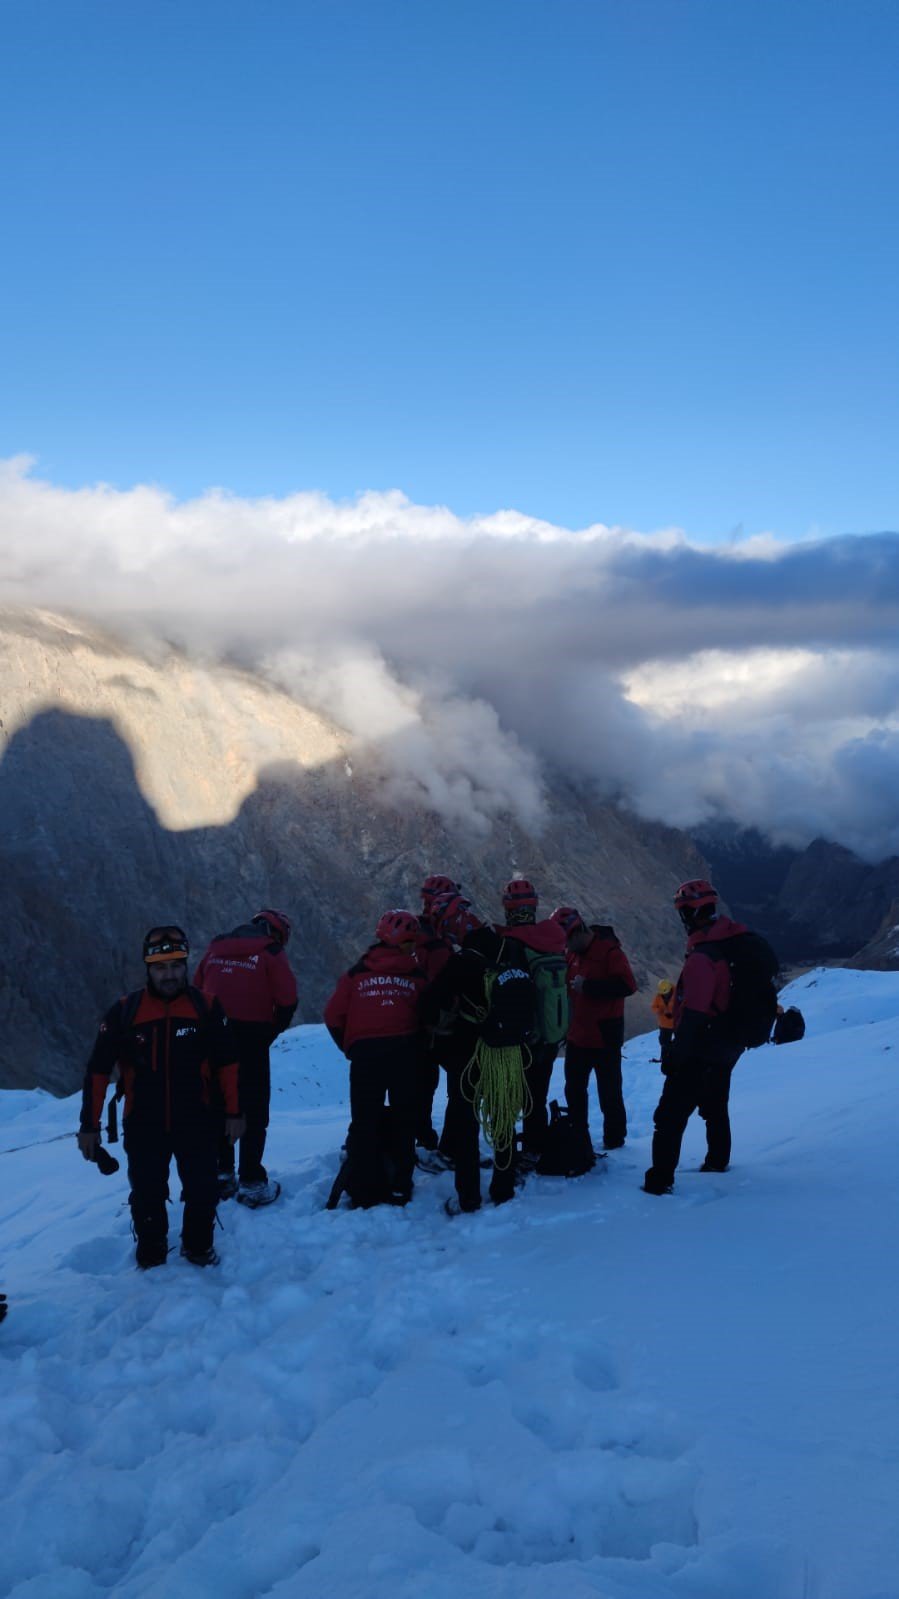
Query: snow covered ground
[590,1392]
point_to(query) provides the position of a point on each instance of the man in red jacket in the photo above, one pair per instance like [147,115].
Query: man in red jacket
[543,938]
[702,1053]
[373,1018]
[599,981]
[249,973]
[176,1055]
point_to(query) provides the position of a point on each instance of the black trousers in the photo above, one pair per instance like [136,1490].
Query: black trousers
[384,1068]
[253,1041]
[428,1080]
[605,1061]
[461,1134]
[150,1149]
[693,1085]
[538,1074]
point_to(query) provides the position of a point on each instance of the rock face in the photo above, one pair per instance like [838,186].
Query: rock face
[846,899]
[822,903]
[881,953]
[137,789]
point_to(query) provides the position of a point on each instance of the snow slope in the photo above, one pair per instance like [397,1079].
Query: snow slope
[590,1392]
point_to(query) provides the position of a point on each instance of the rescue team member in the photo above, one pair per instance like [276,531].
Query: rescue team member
[373,1019]
[599,980]
[174,1050]
[544,938]
[663,1010]
[488,992]
[703,1053]
[248,972]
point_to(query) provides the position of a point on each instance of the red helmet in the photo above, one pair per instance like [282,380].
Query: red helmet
[438,884]
[453,916]
[568,918]
[519,894]
[696,903]
[277,923]
[695,895]
[397,927]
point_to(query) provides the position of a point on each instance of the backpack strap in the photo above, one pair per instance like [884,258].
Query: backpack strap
[129,1005]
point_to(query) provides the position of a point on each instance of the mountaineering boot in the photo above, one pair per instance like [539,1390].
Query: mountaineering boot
[150,1252]
[228,1185]
[255,1195]
[196,1235]
[454,1207]
[613,1143]
[653,1183]
[708,1165]
[434,1162]
[428,1138]
[200,1257]
[150,1226]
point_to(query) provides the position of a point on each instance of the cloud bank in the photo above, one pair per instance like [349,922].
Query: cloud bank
[758,680]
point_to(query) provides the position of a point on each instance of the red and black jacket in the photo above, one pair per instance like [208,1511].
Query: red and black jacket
[175,1059]
[702,997]
[249,973]
[596,1019]
[379,997]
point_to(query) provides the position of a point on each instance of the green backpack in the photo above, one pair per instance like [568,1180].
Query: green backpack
[550,975]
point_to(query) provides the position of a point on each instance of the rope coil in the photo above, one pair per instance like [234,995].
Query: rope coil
[495,1084]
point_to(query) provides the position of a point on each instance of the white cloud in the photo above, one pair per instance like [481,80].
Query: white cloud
[759,678]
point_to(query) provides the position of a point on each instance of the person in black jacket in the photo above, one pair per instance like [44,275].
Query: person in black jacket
[176,1058]
[460,991]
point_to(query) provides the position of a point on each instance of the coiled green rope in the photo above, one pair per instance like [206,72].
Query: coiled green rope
[495,1084]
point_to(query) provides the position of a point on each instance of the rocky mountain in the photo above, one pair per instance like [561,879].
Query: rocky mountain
[143,787]
[817,904]
[881,953]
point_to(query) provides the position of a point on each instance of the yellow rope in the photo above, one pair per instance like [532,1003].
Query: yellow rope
[495,1085]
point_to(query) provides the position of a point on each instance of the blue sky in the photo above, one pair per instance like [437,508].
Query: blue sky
[626,262]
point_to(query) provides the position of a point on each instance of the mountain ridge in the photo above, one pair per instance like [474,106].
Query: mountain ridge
[137,787]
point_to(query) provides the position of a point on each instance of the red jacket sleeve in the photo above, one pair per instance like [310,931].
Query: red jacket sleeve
[704,984]
[100,1067]
[337,1009]
[223,1056]
[281,981]
[620,966]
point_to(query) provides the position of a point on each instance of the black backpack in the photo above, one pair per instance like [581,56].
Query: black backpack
[790,1027]
[567,1151]
[505,1018]
[752,1006]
